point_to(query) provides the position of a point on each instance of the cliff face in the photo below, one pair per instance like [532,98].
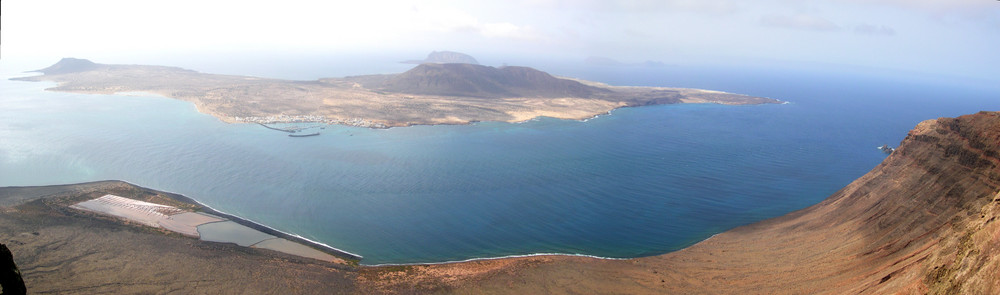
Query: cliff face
[923,221]
[10,276]
[962,176]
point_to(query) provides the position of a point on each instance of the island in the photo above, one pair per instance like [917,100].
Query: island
[428,94]
[445,57]
[924,221]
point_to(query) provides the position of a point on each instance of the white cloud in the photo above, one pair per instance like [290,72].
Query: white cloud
[100,27]
[701,6]
[799,21]
[509,30]
[939,7]
[867,29]
[452,20]
[637,6]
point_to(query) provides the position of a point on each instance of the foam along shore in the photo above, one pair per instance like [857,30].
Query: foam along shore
[204,226]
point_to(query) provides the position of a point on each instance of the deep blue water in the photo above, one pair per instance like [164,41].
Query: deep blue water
[640,181]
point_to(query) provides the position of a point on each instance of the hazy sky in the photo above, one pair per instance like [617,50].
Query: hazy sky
[954,37]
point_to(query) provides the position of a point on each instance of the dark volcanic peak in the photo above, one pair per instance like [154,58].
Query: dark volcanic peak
[483,81]
[446,57]
[69,65]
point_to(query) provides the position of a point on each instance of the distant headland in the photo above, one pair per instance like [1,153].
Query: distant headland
[445,57]
[429,94]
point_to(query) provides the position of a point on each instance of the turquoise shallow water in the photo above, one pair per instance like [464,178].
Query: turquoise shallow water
[640,181]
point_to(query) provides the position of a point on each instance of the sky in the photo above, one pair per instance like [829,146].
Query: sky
[947,37]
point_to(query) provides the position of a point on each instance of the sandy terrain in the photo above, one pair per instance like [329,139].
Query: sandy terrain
[145,213]
[187,223]
[200,225]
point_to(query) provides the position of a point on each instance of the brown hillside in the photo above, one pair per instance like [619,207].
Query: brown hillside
[922,221]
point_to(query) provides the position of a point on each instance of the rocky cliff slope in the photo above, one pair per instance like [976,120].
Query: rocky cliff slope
[923,221]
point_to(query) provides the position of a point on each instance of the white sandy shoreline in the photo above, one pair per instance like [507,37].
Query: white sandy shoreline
[237,219]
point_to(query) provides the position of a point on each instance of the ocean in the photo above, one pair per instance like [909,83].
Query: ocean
[635,182]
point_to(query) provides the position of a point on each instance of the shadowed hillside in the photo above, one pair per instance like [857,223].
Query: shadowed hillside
[470,80]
